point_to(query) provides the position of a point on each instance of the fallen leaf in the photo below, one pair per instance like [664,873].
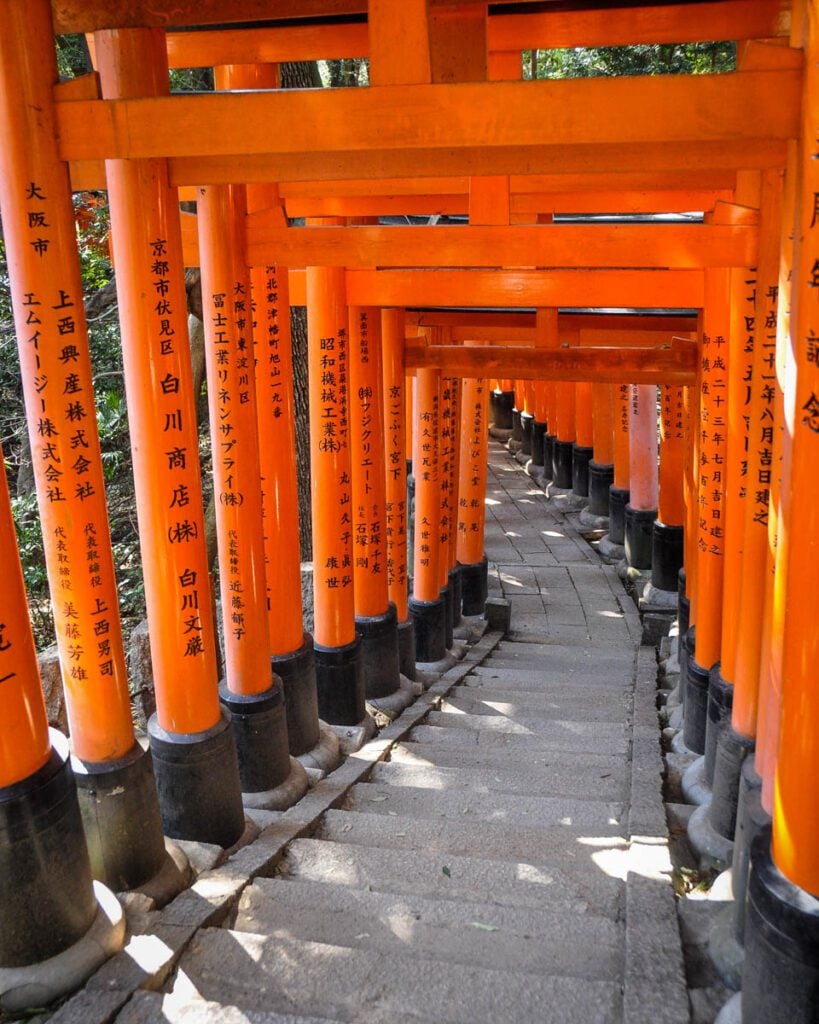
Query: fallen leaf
[484,927]
[446,871]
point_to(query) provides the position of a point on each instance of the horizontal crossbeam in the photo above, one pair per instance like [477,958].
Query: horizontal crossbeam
[741,119]
[611,365]
[678,246]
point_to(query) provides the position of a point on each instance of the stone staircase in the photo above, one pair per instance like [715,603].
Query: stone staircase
[502,860]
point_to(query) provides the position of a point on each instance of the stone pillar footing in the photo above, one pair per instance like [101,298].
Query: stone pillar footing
[197,778]
[474,587]
[780,980]
[280,797]
[601,477]
[40,984]
[406,648]
[121,819]
[297,671]
[639,527]
[562,454]
[324,757]
[260,730]
[581,459]
[352,738]
[391,707]
[340,683]
[380,660]
[666,555]
[618,499]
[695,788]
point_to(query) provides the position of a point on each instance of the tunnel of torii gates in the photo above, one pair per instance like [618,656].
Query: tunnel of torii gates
[578,328]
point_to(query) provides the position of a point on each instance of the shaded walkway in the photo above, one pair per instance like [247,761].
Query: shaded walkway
[507,862]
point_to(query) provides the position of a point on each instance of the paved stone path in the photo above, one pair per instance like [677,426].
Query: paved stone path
[506,863]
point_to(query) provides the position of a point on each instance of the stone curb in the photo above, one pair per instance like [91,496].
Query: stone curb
[148,959]
[654,990]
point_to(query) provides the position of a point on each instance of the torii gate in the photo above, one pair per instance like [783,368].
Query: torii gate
[444,128]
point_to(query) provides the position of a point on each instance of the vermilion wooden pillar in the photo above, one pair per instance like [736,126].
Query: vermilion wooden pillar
[619,490]
[47,903]
[376,615]
[583,449]
[427,607]
[565,430]
[641,510]
[781,972]
[251,692]
[713,427]
[668,534]
[338,651]
[601,468]
[113,773]
[472,494]
[190,736]
[397,398]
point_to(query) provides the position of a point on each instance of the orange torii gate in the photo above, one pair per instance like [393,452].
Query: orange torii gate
[447,131]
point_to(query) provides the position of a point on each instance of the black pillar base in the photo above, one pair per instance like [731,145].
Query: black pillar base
[475,587]
[297,672]
[683,605]
[406,648]
[666,556]
[639,527]
[729,757]
[260,728]
[340,683]
[581,458]
[456,586]
[46,896]
[526,424]
[696,706]
[503,409]
[601,477]
[780,979]
[618,499]
[718,717]
[197,778]
[493,408]
[120,815]
[752,818]
[449,608]
[380,663]
[549,441]
[538,437]
[562,452]
[517,430]
[430,629]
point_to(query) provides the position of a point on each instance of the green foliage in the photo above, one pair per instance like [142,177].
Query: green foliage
[660,59]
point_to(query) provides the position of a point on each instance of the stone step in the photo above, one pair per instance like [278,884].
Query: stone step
[543,680]
[590,664]
[527,725]
[156,1007]
[277,973]
[542,811]
[545,706]
[437,754]
[467,737]
[474,934]
[551,781]
[449,876]
[576,853]
[550,694]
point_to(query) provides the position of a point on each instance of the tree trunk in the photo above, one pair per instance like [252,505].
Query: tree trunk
[303,75]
